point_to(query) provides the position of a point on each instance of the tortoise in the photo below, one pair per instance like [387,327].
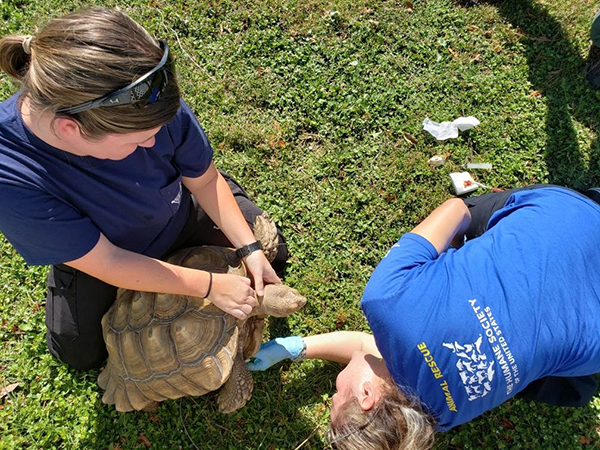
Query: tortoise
[165,346]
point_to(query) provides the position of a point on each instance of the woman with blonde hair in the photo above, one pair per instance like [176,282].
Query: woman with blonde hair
[512,307]
[104,171]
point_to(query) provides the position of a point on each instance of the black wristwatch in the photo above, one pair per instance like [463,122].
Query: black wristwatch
[247,249]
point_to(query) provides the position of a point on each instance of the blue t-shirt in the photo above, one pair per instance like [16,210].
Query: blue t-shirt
[468,329]
[53,204]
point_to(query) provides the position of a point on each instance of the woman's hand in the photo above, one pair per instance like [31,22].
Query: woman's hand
[261,271]
[270,353]
[233,294]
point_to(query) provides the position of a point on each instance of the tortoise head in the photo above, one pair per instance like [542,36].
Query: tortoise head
[279,301]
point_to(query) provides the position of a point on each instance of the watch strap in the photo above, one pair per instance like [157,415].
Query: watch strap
[247,249]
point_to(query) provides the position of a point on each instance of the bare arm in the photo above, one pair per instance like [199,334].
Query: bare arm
[446,222]
[339,346]
[129,270]
[214,196]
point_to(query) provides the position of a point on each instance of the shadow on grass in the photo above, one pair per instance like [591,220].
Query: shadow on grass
[287,407]
[526,424]
[556,70]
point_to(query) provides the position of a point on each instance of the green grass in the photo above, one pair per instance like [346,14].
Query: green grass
[316,107]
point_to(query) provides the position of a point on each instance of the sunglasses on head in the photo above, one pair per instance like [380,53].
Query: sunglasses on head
[144,91]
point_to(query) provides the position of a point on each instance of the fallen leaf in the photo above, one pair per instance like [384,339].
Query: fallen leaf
[408,5]
[475,57]
[142,439]
[453,52]
[507,424]
[409,138]
[535,94]
[585,440]
[341,320]
[15,330]
[7,389]
[472,27]
[155,419]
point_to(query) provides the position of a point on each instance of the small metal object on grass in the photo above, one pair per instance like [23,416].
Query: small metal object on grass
[485,166]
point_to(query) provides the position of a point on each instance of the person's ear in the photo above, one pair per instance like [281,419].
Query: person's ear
[67,128]
[368,396]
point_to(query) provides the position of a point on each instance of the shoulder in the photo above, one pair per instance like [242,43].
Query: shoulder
[553,205]
[184,127]
[8,107]
[9,119]
[184,115]
[402,262]
[548,196]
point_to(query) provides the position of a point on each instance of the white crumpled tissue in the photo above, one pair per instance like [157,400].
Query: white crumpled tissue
[449,130]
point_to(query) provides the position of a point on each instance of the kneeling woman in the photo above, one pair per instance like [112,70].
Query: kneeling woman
[512,309]
[105,171]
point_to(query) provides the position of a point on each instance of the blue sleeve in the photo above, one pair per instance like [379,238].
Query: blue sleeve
[193,153]
[43,229]
[402,263]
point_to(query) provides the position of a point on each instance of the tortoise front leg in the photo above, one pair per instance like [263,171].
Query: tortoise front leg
[237,390]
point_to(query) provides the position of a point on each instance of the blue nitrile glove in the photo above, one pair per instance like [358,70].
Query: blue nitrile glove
[291,347]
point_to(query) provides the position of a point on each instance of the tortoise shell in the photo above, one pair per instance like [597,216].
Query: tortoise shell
[165,346]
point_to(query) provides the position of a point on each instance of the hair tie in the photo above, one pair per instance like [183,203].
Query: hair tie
[27,44]
[209,285]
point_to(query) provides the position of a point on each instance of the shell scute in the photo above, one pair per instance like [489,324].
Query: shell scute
[196,336]
[119,313]
[159,350]
[136,398]
[163,388]
[148,389]
[140,310]
[168,307]
[133,356]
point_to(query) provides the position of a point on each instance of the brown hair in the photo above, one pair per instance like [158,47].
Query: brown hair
[394,423]
[83,56]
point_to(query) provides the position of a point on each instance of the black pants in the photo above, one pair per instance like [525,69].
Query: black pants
[76,301]
[557,391]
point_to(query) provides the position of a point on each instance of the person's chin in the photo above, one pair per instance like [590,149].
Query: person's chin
[334,406]
[118,157]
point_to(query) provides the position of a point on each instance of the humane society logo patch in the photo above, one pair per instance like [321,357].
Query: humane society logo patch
[476,371]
